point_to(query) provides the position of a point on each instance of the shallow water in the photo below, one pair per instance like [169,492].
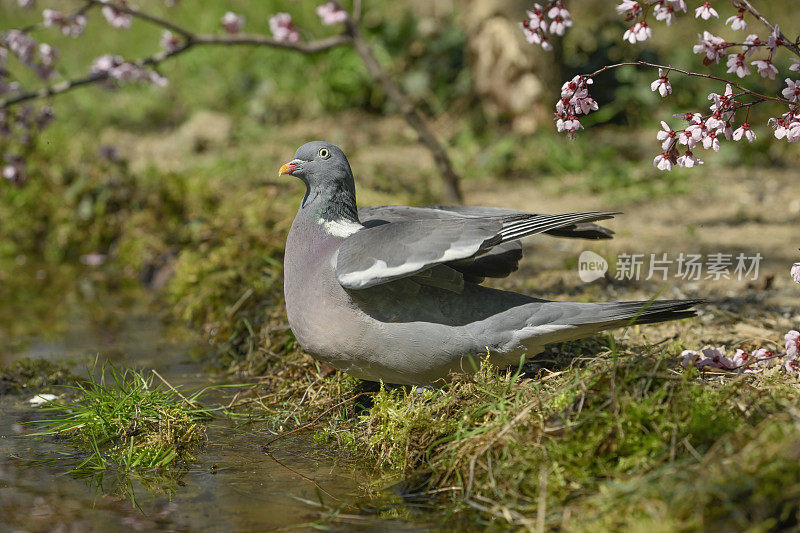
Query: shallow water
[234,485]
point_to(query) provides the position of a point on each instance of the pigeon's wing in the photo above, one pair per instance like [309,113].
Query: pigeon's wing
[394,250]
[383,214]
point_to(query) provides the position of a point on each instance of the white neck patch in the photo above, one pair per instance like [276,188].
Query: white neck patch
[339,228]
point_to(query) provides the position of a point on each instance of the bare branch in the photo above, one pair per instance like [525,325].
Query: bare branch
[308,47]
[410,113]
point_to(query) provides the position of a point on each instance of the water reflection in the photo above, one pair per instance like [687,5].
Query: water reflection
[233,486]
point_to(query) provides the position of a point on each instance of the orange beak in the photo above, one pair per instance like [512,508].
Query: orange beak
[290,167]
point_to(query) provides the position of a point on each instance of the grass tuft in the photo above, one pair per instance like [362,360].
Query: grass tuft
[126,421]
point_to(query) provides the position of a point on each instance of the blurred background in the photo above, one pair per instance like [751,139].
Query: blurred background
[148,209]
[177,186]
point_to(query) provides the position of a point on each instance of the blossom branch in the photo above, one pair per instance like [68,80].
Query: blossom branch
[310,47]
[745,4]
[123,8]
[691,73]
[285,35]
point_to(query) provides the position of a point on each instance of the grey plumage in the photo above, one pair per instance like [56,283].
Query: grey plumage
[392,293]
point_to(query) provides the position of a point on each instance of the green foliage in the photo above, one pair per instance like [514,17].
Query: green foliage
[123,420]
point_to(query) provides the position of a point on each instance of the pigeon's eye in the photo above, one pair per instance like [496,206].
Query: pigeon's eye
[324,153]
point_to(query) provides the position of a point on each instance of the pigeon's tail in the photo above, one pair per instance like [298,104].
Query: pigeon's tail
[619,314]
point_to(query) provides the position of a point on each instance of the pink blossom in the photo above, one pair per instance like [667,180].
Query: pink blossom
[559,24]
[331,13]
[765,68]
[232,22]
[666,136]
[741,358]
[536,18]
[688,160]
[662,84]
[558,10]
[680,5]
[705,11]
[751,44]
[104,63]
[21,44]
[710,45]
[774,39]
[47,54]
[576,87]
[631,7]
[569,124]
[726,129]
[792,366]
[666,13]
[795,66]
[535,36]
[687,138]
[638,32]
[51,17]
[792,343]
[583,105]
[283,29]
[694,134]
[737,22]
[721,100]
[737,65]
[664,161]
[792,90]
[117,18]
[26,4]
[115,67]
[787,126]
[795,272]
[764,357]
[169,42]
[711,141]
[744,131]
[71,26]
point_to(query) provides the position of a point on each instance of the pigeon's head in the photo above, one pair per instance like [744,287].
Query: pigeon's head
[317,163]
[324,169]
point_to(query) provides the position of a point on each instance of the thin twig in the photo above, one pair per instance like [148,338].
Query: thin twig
[173,389]
[295,472]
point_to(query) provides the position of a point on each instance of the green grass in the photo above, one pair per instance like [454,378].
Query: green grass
[620,441]
[123,420]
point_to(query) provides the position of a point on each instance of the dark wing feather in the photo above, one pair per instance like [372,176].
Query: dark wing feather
[394,250]
[376,215]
